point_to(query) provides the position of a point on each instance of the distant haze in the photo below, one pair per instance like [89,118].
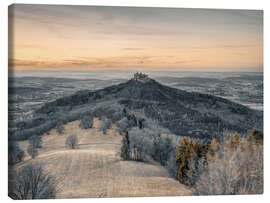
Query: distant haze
[81,38]
[126,75]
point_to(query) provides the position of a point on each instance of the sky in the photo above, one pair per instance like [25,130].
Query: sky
[55,37]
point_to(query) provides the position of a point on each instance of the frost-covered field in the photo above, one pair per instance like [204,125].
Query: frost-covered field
[95,168]
[28,90]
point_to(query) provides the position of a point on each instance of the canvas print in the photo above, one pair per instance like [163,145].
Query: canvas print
[134,102]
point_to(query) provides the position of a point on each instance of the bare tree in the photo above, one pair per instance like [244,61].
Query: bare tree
[231,171]
[31,182]
[60,129]
[72,141]
[123,125]
[162,148]
[86,122]
[15,153]
[140,144]
[105,124]
[32,151]
[35,141]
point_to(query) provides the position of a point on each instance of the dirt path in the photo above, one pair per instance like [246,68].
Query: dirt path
[95,169]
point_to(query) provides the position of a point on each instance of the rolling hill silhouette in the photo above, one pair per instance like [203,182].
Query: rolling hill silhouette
[184,113]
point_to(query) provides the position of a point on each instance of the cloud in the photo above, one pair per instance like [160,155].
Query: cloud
[29,46]
[84,63]
[221,46]
[21,62]
[133,49]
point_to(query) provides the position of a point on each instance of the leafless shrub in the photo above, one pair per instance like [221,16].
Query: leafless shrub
[237,170]
[72,141]
[31,182]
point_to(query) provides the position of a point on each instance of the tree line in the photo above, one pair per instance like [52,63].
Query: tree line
[233,165]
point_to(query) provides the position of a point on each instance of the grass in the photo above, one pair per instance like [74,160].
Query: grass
[95,169]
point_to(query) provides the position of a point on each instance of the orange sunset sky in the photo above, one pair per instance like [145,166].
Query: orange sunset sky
[50,37]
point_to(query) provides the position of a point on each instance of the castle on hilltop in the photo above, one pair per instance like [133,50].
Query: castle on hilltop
[139,76]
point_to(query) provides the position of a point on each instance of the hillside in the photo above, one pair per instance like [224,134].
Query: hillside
[95,169]
[184,113]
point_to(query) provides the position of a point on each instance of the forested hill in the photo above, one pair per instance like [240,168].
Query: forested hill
[183,113]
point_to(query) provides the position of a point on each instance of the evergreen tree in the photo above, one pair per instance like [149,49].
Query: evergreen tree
[188,156]
[233,142]
[125,151]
